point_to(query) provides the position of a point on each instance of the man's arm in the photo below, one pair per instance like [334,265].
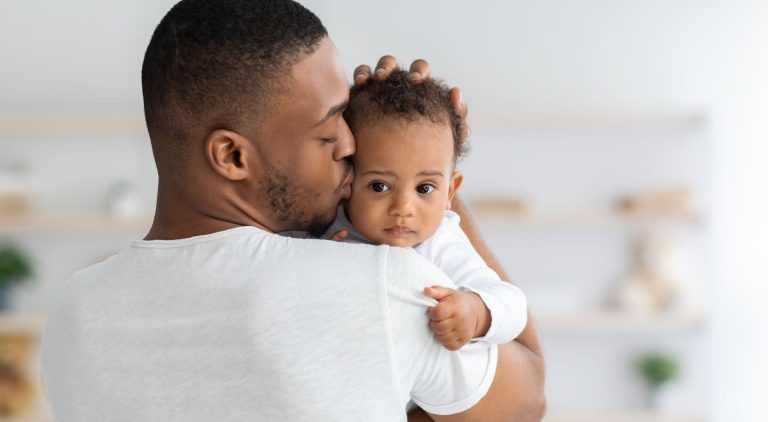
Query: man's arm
[517,391]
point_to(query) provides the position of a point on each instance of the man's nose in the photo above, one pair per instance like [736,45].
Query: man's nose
[345,146]
[402,205]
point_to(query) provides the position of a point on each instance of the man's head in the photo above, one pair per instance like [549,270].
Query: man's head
[408,140]
[243,99]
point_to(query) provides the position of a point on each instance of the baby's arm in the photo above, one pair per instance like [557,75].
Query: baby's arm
[503,303]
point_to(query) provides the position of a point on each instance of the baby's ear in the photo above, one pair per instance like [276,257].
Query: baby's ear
[453,186]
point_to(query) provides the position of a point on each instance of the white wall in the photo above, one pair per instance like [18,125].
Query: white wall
[655,55]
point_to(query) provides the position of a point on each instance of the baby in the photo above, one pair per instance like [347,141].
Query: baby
[408,141]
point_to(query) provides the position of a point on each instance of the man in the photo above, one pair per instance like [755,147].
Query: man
[212,317]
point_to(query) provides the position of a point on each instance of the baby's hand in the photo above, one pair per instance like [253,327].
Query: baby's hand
[339,235]
[458,316]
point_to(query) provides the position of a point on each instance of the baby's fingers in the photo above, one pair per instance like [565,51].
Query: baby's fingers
[456,345]
[439,293]
[442,327]
[441,311]
[451,341]
[339,235]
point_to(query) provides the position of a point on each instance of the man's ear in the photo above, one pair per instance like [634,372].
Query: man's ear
[456,179]
[227,153]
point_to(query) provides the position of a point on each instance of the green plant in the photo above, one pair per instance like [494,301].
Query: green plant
[657,369]
[14,266]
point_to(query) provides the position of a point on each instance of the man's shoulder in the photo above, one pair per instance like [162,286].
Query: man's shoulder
[406,267]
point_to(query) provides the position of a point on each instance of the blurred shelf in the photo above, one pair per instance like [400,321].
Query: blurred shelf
[589,119]
[69,124]
[25,324]
[115,124]
[612,321]
[34,417]
[499,219]
[629,416]
[70,221]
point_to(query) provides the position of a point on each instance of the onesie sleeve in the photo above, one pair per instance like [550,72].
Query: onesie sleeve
[440,381]
[452,252]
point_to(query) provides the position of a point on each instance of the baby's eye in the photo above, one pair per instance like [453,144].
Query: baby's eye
[425,189]
[379,187]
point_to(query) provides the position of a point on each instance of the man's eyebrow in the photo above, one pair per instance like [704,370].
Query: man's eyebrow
[332,112]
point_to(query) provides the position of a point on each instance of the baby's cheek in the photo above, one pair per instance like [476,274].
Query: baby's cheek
[360,213]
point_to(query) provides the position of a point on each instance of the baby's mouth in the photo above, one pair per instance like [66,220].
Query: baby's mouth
[399,231]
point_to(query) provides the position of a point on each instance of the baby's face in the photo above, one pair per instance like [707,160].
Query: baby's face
[404,180]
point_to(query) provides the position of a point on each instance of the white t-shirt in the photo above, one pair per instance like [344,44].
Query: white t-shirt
[450,249]
[247,325]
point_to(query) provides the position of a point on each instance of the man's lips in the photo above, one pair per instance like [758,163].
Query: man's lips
[346,185]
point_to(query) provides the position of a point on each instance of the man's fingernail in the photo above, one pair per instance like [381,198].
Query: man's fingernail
[415,75]
[360,78]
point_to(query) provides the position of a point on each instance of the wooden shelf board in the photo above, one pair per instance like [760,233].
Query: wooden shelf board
[24,324]
[595,119]
[617,321]
[586,219]
[621,416]
[101,124]
[72,222]
[67,125]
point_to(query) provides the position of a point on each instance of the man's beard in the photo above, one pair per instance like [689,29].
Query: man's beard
[292,205]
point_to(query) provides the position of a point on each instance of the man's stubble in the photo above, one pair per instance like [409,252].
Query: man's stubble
[294,206]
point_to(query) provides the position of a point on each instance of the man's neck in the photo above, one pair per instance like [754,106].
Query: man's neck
[177,218]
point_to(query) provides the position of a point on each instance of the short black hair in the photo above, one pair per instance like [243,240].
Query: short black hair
[398,97]
[212,63]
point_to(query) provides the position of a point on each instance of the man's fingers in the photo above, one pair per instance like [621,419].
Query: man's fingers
[361,74]
[461,109]
[419,71]
[384,67]
[458,104]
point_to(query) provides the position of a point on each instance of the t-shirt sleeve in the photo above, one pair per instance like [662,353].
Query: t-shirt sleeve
[440,381]
[452,252]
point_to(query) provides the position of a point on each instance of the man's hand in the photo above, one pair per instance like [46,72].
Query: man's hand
[418,73]
[458,316]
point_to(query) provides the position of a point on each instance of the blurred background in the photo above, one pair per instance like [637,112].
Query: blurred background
[617,170]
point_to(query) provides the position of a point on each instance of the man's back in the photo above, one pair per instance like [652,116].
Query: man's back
[246,325]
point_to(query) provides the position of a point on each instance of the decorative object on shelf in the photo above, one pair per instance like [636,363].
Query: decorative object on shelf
[675,201]
[17,392]
[501,206]
[657,370]
[657,282]
[14,268]
[14,195]
[124,202]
